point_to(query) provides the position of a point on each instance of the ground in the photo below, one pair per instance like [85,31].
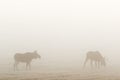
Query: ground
[62,75]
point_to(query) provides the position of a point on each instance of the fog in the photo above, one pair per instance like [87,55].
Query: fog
[61,31]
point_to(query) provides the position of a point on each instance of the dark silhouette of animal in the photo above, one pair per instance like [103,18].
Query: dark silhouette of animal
[96,57]
[25,58]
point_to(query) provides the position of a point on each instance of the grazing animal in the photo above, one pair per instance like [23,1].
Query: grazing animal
[96,57]
[25,58]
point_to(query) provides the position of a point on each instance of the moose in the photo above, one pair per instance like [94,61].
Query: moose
[25,58]
[96,57]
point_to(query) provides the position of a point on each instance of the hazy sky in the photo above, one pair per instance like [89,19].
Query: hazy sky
[65,28]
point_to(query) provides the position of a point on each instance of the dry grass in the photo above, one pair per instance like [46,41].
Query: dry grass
[61,75]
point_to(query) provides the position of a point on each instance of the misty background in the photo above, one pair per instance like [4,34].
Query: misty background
[62,31]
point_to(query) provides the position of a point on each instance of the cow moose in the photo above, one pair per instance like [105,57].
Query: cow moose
[25,58]
[96,57]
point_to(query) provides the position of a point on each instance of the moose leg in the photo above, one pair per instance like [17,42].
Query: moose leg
[96,65]
[85,62]
[16,66]
[27,64]
[91,62]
